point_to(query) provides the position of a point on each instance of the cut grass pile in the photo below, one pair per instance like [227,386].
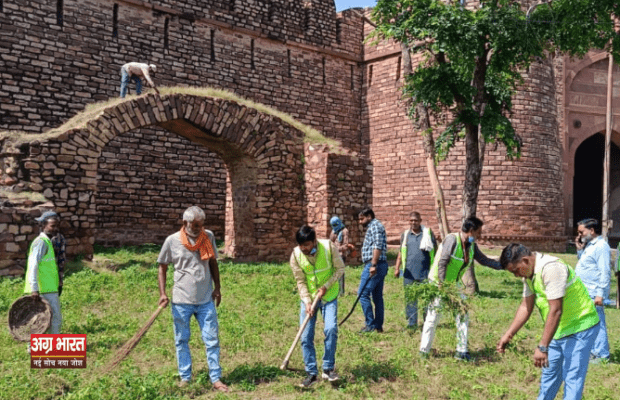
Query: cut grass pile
[258,320]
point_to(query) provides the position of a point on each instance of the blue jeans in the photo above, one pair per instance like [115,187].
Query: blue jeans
[601,343]
[411,309]
[374,288]
[207,321]
[330,319]
[125,79]
[568,362]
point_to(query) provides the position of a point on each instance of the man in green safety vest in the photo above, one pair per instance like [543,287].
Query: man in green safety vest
[569,314]
[417,250]
[42,277]
[455,255]
[317,266]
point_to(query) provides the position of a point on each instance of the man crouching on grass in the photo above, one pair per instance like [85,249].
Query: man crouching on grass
[317,267]
[571,320]
[196,287]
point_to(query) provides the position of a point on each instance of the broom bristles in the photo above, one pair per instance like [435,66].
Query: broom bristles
[133,342]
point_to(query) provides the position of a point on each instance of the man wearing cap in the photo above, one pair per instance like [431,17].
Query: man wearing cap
[42,276]
[134,71]
[570,318]
[195,292]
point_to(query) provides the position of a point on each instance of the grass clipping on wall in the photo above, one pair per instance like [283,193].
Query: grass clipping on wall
[452,300]
[94,110]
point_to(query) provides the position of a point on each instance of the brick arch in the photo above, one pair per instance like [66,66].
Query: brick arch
[588,60]
[588,132]
[263,155]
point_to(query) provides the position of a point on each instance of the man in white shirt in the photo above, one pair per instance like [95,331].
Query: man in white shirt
[134,71]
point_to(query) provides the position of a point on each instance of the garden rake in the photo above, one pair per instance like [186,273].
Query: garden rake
[133,342]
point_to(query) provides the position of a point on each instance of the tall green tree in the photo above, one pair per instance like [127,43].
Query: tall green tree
[475,58]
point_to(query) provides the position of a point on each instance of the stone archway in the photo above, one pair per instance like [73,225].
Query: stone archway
[263,155]
[588,181]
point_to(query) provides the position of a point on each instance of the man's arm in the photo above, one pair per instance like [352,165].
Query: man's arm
[604,277]
[147,76]
[398,260]
[302,287]
[342,247]
[39,249]
[161,279]
[551,325]
[448,246]
[523,314]
[484,260]
[215,275]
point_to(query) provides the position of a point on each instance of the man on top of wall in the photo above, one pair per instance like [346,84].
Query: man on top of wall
[134,71]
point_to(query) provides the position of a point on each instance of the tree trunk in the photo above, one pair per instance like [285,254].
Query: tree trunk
[473,172]
[429,150]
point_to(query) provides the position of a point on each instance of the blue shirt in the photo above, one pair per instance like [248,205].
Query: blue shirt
[375,239]
[593,266]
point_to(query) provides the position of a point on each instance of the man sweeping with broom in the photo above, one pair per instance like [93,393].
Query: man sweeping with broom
[317,266]
[196,291]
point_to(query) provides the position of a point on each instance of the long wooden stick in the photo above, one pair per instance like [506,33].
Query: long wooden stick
[301,330]
[606,158]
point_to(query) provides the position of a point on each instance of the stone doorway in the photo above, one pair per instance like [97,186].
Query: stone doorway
[588,182]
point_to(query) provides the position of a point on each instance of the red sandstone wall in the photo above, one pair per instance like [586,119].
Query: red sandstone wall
[516,198]
[300,57]
[143,191]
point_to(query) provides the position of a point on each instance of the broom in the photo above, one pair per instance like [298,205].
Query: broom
[133,342]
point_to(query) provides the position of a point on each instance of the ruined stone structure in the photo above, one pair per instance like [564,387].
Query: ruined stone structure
[129,184]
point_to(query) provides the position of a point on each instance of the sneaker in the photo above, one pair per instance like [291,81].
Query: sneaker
[379,330]
[462,356]
[330,375]
[183,384]
[309,381]
[367,329]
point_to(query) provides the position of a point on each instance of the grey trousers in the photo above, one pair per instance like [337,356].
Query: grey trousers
[54,301]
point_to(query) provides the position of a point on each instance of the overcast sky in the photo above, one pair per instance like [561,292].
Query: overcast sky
[344,4]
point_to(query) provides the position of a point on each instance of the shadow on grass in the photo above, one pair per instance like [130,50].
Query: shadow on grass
[498,294]
[376,372]
[248,376]
[485,355]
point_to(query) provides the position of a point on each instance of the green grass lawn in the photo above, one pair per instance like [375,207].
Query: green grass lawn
[111,298]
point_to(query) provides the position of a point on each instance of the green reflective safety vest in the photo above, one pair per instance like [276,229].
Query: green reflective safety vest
[403,247]
[456,266]
[578,310]
[317,275]
[47,276]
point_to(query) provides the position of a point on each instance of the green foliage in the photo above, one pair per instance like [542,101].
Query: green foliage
[452,300]
[474,57]
[258,319]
